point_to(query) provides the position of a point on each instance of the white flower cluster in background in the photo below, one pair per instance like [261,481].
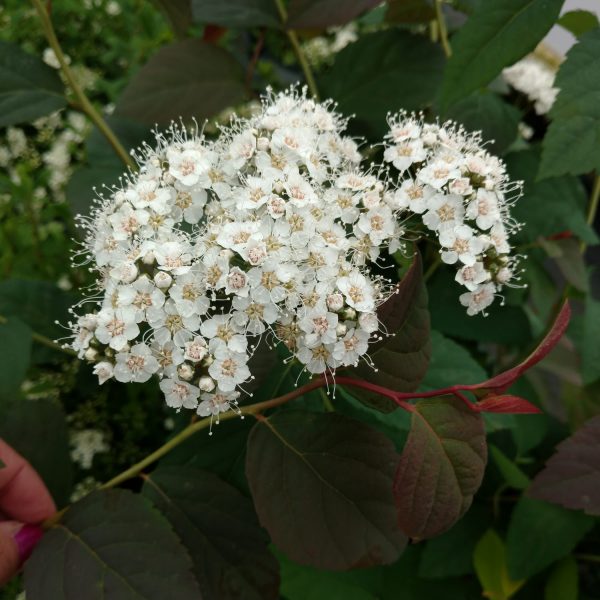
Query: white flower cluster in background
[321,49]
[533,77]
[268,232]
[86,443]
[463,195]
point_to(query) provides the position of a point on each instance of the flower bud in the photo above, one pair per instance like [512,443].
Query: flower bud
[341,330]
[185,371]
[335,302]
[262,144]
[206,383]
[149,258]
[350,314]
[91,354]
[162,280]
[369,322]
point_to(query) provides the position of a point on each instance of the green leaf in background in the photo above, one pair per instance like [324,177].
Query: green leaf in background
[319,14]
[402,358]
[571,477]
[576,113]
[37,429]
[566,254]
[111,544]
[219,528]
[178,13]
[402,582]
[383,72]
[539,534]
[590,341]
[28,87]
[490,565]
[409,11]
[504,325]
[236,13]
[86,182]
[441,466]
[451,554]
[37,303]
[295,457]
[307,583]
[15,356]
[550,206]
[511,473]
[578,22]
[189,79]
[450,363]
[488,113]
[563,582]
[495,36]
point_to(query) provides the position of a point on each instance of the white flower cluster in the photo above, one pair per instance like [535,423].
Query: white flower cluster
[463,195]
[533,77]
[86,443]
[266,232]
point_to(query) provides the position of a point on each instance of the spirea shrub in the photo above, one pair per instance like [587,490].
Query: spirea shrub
[272,234]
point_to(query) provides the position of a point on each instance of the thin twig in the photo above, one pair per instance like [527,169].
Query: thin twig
[45,341]
[82,100]
[308,74]
[439,15]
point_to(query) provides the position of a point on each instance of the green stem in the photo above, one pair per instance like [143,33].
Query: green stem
[82,100]
[439,15]
[291,34]
[45,341]
[593,207]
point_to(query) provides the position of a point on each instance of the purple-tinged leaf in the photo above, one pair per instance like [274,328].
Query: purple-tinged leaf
[189,79]
[571,477]
[506,404]
[441,466]
[322,487]
[219,528]
[319,14]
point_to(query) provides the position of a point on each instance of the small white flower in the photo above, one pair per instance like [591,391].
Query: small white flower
[136,365]
[357,291]
[213,404]
[229,369]
[179,394]
[104,371]
[479,299]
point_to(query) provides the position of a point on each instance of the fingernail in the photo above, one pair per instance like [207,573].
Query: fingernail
[26,539]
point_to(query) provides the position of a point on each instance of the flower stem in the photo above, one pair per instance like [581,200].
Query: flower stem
[291,34]
[82,100]
[439,15]
[45,341]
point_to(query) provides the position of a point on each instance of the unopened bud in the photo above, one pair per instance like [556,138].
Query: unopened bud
[341,330]
[91,354]
[262,144]
[335,302]
[368,322]
[206,383]
[162,280]
[185,371]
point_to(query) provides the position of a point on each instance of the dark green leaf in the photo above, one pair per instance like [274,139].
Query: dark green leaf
[87,182]
[488,113]
[496,35]
[186,79]
[578,22]
[590,341]
[441,466]
[322,487]
[28,88]
[550,206]
[402,582]
[571,477]
[451,554]
[490,565]
[540,533]
[566,253]
[37,303]
[383,72]
[504,325]
[178,13]
[450,363]
[15,356]
[306,583]
[409,11]
[111,544]
[563,581]
[219,528]
[319,14]
[401,359]
[37,429]
[236,13]
[572,140]
[512,474]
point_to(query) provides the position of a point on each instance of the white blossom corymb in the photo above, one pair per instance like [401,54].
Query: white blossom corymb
[268,234]
[463,195]
[533,77]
